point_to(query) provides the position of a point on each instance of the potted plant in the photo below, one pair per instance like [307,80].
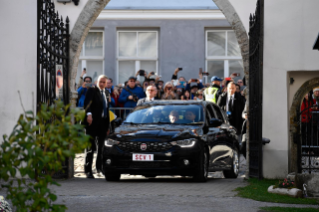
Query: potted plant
[285,187]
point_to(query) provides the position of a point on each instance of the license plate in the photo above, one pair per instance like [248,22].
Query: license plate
[143,157]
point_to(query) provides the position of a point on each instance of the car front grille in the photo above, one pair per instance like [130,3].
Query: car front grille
[151,146]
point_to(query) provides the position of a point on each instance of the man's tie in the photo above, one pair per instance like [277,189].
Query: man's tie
[230,103]
[104,104]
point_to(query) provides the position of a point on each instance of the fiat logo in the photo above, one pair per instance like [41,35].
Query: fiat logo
[143,146]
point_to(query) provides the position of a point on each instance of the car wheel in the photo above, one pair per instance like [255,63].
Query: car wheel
[202,170]
[233,173]
[112,177]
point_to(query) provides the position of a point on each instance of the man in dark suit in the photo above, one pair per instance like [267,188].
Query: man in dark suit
[233,104]
[151,92]
[97,121]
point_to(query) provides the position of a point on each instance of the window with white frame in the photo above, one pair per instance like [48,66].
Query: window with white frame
[136,50]
[223,56]
[92,55]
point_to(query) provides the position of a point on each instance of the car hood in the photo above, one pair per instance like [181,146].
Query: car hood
[153,132]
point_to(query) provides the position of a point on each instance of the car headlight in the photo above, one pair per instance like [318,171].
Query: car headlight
[184,143]
[110,142]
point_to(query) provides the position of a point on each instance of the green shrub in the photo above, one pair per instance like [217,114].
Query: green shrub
[36,148]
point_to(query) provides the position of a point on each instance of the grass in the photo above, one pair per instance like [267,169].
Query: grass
[257,190]
[282,209]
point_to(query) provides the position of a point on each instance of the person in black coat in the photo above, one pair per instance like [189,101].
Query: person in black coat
[233,103]
[151,93]
[96,121]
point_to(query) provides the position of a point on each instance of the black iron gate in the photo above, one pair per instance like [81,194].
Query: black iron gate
[52,59]
[308,145]
[256,38]
[52,55]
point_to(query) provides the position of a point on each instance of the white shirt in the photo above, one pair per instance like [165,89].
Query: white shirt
[104,99]
[228,98]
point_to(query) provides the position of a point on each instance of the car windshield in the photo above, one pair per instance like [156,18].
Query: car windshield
[167,114]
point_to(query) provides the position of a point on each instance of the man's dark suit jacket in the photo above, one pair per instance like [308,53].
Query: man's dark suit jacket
[141,101]
[94,103]
[235,119]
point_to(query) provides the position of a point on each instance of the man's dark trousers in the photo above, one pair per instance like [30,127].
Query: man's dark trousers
[93,103]
[100,134]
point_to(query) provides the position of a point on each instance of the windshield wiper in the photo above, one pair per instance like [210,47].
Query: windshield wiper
[162,122]
[194,123]
[131,123]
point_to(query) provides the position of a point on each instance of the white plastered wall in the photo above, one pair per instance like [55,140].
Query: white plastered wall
[18,57]
[289,33]
[18,42]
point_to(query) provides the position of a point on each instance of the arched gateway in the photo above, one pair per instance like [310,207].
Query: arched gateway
[295,161]
[92,10]
[94,7]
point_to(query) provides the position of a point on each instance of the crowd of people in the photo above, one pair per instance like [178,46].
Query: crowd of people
[178,88]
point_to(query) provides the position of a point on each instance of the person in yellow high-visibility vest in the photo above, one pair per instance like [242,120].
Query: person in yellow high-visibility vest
[211,93]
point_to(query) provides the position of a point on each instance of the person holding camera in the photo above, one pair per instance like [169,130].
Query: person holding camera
[87,82]
[81,79]
[168,92]
[131,93]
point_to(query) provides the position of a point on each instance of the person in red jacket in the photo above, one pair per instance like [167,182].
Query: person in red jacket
[307,106]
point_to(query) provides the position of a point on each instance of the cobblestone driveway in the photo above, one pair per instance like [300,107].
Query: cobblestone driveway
[136,193]
[139,194]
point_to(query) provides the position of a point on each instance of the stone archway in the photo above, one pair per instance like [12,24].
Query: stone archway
[293,121]
[94,7]
[80,30]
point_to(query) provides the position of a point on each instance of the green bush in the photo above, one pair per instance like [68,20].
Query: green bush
[36,148]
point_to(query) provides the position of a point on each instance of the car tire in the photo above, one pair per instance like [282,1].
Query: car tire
[233,173]
[201,174]
[112,177]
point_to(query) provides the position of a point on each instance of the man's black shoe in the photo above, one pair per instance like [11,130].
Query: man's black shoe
[90,175]
[99,173]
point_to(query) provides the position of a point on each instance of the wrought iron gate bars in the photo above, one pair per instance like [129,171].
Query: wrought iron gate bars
[52,49]
[256,37]
[307,138]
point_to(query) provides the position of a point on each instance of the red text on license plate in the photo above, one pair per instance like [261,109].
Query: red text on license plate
[143,157]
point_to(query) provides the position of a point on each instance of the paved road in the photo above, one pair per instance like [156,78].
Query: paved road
[139,194]
[136,193]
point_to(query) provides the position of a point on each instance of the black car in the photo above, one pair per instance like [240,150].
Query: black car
[187,138]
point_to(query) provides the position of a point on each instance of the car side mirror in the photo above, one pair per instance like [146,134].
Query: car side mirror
[213,122]
[118,121]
